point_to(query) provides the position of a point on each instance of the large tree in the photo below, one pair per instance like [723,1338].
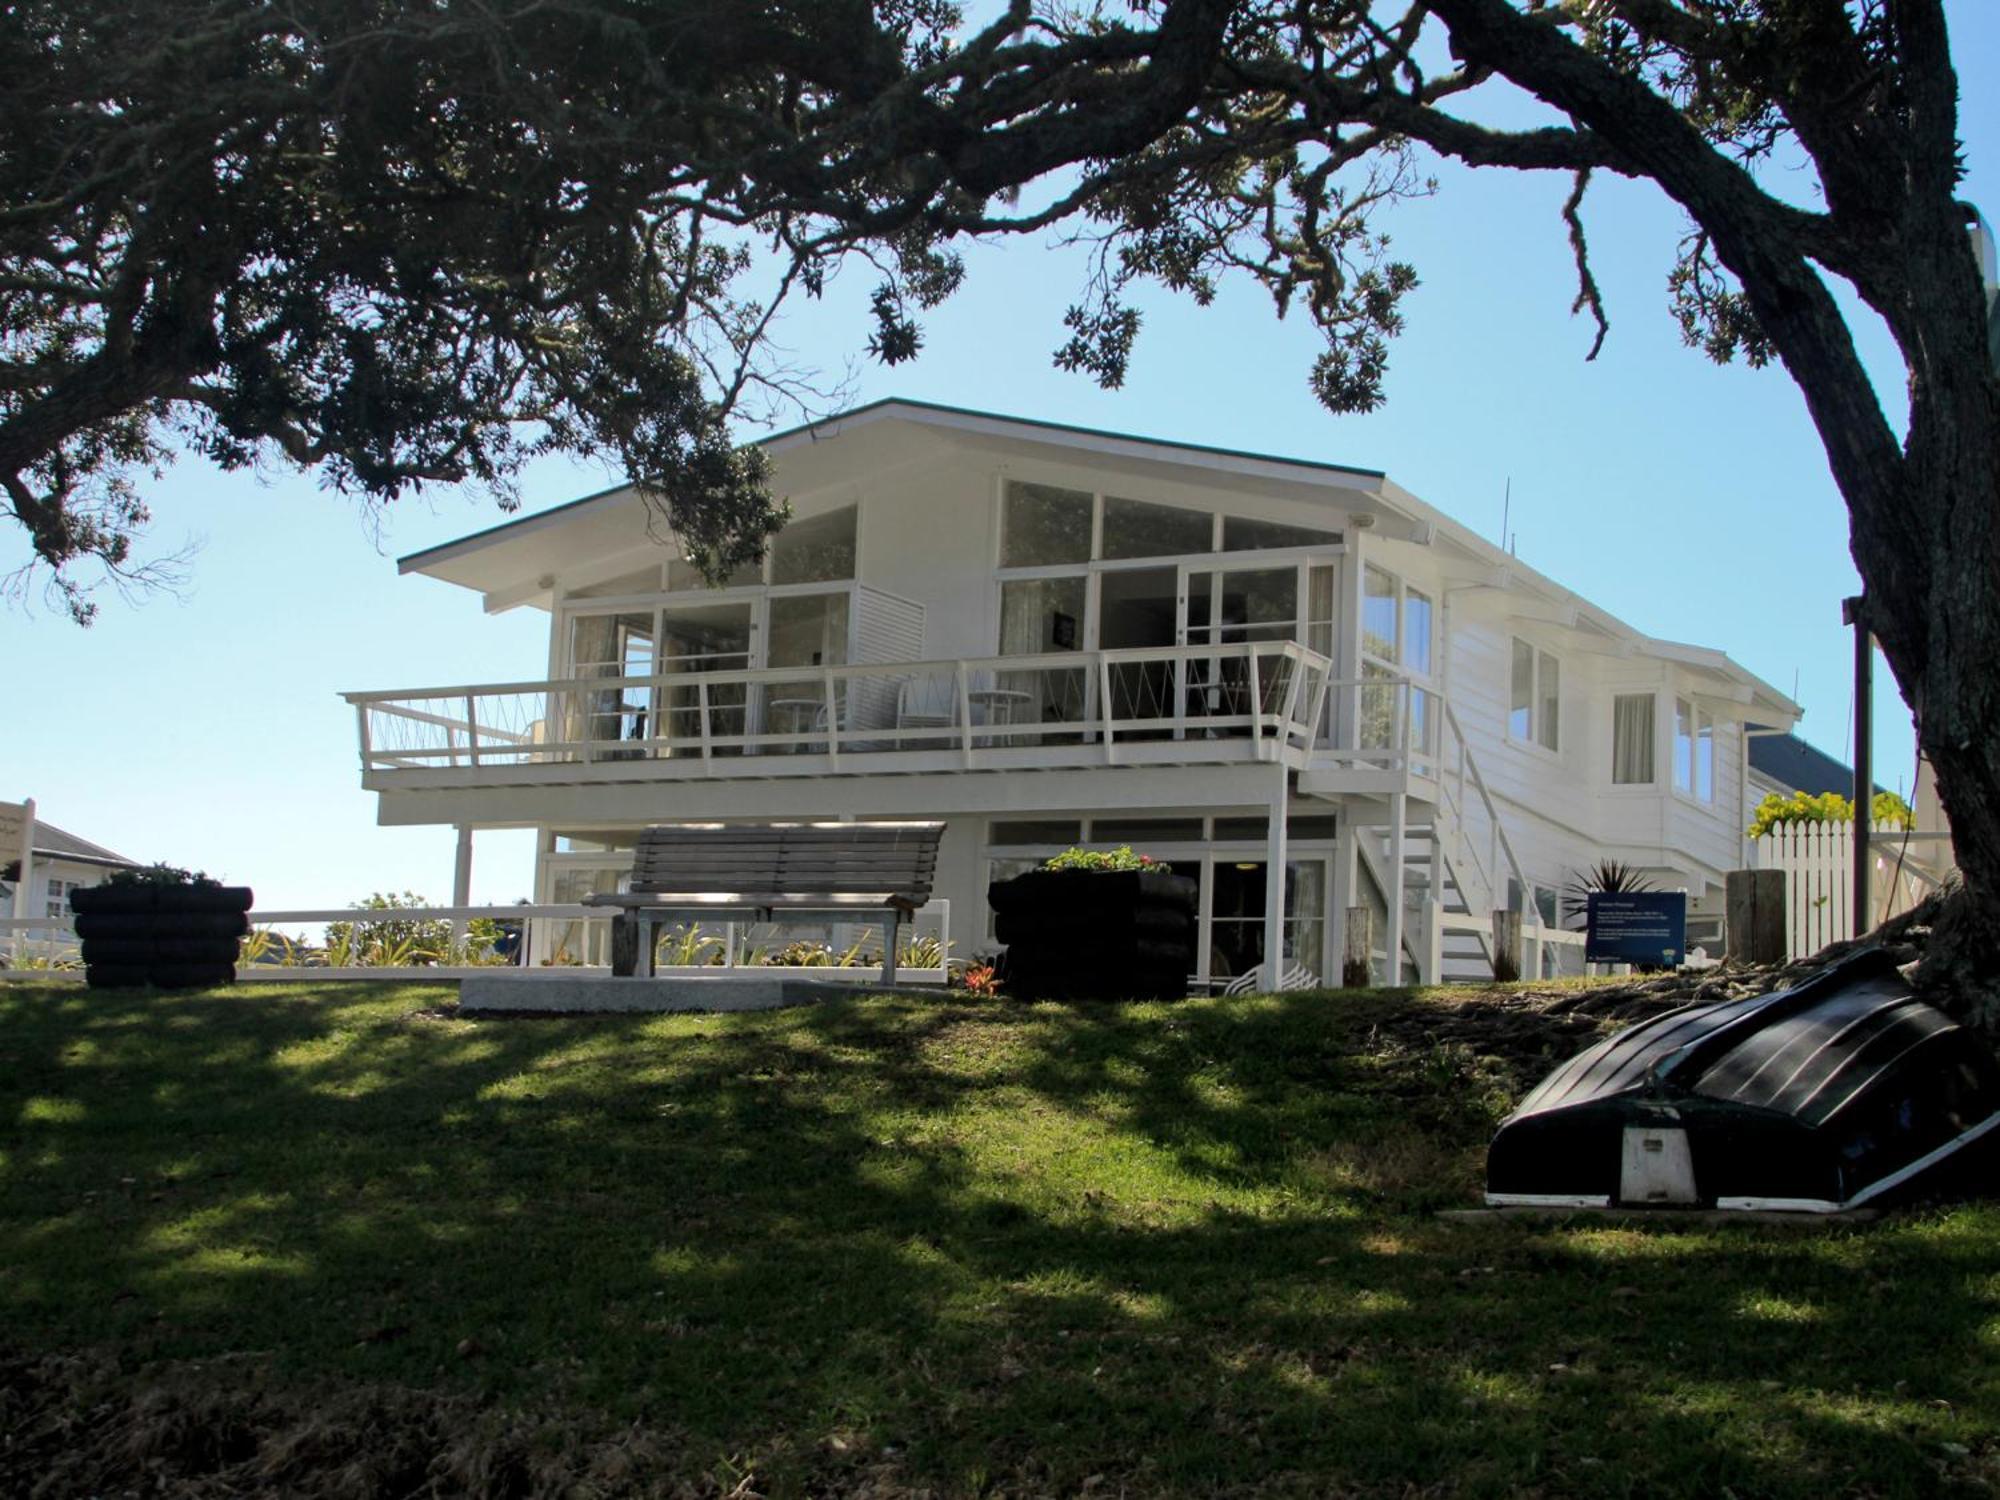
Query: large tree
[410,242]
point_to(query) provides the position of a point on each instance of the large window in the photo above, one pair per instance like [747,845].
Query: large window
[1044,526]
[1048,526]
[1381,636]
[1247,534]
[1138,528]
[1632,730]
[1535,704]
[819,549]
[1694,750]
[1396,628]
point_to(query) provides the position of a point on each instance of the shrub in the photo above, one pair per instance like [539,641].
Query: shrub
[980,980]
[1121,858]
[1827,807]
[163,875]
[394,941]
[1608,877]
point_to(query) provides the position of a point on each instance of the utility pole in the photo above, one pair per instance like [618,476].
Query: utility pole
[1855,612]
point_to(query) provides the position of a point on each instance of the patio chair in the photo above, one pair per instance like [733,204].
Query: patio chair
[1295,976]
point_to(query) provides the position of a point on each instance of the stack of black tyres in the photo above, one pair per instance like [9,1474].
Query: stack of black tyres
[1096,934]
[170,937]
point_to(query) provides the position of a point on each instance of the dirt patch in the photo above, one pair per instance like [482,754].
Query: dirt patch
[1528,1028]
[220,1429]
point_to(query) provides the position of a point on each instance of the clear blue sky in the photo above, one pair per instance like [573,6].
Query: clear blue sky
[1693,501]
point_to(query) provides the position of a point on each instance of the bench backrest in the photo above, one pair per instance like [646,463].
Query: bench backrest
[804,859]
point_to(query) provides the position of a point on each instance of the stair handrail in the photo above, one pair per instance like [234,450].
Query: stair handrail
[1469,763]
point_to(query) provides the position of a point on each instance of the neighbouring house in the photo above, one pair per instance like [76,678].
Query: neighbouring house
[40,864]
[1782,764]
[1325,700]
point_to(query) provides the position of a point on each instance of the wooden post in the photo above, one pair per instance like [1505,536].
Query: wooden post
[1506,946]
[1754,922]
[1275,871]
[1854,612]
[1356,967]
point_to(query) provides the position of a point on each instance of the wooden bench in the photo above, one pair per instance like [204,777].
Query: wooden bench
[706,872]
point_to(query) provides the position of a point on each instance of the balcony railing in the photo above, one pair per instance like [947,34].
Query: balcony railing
[1225,703]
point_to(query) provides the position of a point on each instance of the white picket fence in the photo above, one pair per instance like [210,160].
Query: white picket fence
[1818,861]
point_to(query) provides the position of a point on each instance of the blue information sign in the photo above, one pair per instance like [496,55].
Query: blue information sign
[1637,927]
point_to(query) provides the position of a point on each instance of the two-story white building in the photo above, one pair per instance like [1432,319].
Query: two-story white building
[1293,680]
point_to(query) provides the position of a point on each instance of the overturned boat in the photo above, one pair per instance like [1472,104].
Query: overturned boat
[1821,1098]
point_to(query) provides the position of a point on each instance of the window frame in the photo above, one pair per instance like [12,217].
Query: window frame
[1216,560]
[1701,726]
[1652,783]
[1532,738]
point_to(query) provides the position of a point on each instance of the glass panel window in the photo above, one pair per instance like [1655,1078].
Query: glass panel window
[1036,831]
[1549,713]
[1037,616]
[1378,614]
[1043,525]
[1245,604]
[1521,704]
[1138,831]
[1138,528]
[1534,706]
[1694,750]
[808,630]
[1632,717]
[1417,632]
[819,549]
[1236,927]
[685,573]
[1041,614]
[1246,534]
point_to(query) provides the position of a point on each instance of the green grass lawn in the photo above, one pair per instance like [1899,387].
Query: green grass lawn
[971,1247]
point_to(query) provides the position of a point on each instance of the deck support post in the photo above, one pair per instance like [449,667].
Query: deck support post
[1398,867]
[1274,885]
[461,883]
[1343,884]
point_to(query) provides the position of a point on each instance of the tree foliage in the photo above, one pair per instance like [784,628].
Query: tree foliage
[408,243]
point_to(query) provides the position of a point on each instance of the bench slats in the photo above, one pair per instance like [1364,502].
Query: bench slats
[706,872]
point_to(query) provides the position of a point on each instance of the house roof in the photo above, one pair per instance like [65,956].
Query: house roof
[52,842]
[505,561]
[928,412]
[1790,761]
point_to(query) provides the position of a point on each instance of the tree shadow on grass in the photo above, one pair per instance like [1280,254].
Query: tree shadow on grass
[988,1246]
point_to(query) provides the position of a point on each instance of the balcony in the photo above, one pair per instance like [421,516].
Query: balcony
[1242,702]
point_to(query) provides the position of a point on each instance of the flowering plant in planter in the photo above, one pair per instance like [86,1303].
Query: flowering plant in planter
[1096,924]
[1121,858]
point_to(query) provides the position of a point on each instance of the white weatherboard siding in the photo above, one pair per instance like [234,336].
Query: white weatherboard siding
[1073,732]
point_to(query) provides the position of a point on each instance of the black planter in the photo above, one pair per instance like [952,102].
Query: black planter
[171,937]
[1096,934]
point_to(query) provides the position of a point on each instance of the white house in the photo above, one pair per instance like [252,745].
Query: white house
[1045,635]
[40,864]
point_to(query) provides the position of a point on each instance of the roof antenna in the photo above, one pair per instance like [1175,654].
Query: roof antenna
[1506,509]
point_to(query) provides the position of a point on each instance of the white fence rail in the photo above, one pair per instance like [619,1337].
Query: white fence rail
[549,935]
[1818,864]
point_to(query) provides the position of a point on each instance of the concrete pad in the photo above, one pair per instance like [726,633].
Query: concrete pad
[1673,1218]
[551,990]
